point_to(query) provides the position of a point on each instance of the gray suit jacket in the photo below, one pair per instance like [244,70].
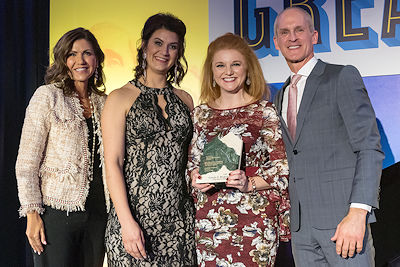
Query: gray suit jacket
[336,157]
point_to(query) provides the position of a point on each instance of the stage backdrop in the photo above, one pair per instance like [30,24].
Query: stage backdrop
[363,33]
[117,25]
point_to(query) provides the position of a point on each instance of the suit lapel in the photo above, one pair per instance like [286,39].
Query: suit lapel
[279,97]
[310,89]
[278,101]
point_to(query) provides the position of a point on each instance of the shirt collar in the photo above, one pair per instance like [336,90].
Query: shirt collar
[307,68]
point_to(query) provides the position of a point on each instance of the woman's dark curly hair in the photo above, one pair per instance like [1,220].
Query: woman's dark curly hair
[58,71]
[171,23]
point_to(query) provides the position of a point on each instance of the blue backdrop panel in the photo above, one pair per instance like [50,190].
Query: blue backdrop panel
[384,92]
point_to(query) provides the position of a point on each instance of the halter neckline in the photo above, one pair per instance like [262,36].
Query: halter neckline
[146,89]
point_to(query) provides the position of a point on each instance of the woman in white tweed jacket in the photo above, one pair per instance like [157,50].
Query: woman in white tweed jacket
[59,168]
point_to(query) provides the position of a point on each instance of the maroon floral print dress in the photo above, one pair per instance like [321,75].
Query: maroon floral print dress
[235,228]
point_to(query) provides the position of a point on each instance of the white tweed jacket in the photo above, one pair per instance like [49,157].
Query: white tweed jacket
[54,159]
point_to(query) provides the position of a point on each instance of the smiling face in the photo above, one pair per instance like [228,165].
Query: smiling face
[294,38]
[229,69]
[81,62]
[161,51]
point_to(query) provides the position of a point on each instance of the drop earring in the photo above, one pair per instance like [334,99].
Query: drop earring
[175,72]
[96,74]
[248,81]
[213,83]
[144,64]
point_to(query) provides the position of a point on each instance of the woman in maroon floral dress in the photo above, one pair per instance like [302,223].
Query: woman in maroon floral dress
[242,222]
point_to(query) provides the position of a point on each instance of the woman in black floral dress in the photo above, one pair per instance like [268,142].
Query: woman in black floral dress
[146,131]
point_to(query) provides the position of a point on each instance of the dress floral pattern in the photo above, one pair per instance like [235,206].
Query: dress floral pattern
[154,171]
[235,228]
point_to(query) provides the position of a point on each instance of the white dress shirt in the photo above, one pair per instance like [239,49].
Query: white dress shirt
[305,71]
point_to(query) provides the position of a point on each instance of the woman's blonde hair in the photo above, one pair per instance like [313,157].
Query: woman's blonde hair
[257,88]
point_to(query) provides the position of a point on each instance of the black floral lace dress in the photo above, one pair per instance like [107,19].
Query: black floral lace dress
[154,169]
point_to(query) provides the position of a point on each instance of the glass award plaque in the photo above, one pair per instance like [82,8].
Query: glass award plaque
[220,156]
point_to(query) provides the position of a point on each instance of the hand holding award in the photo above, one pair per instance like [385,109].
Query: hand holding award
[220,157]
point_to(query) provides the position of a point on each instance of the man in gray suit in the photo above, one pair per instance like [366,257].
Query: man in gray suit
[333,148]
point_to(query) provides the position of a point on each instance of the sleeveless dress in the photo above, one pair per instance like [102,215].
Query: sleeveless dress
[154,170]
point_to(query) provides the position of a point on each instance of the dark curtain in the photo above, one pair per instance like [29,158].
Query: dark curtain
[24,45]
[386,231]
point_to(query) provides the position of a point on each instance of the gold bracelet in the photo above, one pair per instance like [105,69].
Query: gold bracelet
[253,184]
